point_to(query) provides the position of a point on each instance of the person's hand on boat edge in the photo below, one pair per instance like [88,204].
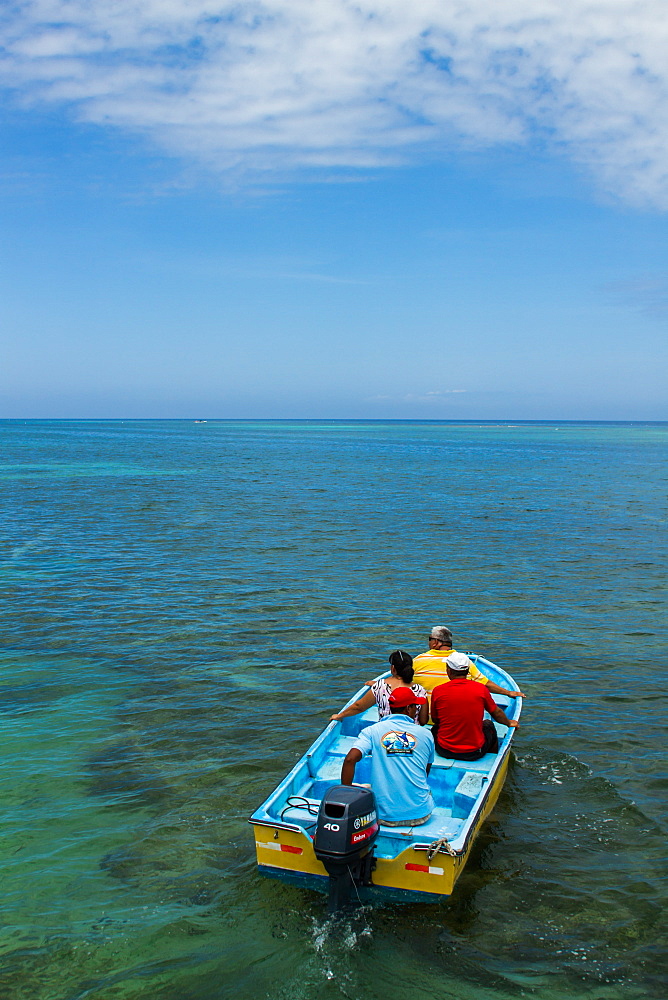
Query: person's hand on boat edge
[513,724]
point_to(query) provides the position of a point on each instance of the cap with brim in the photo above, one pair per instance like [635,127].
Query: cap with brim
[458,662]
[402,697]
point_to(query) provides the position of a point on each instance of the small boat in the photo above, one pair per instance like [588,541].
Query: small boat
[409,863]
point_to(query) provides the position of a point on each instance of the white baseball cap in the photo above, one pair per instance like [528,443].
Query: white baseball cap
[459,662]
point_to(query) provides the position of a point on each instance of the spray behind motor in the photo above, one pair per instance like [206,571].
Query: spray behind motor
[346,832]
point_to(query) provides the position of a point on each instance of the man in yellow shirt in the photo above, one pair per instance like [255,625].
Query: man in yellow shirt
[431,669]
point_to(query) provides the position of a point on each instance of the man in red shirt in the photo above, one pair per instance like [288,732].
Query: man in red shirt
[457,708]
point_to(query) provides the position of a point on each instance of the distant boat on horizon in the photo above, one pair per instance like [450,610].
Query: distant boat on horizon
[201,421]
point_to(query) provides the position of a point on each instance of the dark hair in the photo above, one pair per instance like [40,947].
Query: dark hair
[403,664]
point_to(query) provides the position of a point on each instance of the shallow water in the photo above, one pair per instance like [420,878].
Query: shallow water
[185,606]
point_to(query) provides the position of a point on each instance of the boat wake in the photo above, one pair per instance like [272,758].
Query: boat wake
[338,935]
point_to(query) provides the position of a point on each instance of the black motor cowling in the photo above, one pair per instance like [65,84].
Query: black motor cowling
[346,832]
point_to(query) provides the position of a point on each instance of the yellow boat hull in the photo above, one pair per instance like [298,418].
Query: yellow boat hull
[291,852]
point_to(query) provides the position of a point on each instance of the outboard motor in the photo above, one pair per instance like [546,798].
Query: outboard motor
[344,838]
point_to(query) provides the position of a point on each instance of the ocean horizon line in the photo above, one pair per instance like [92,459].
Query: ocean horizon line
[336,420]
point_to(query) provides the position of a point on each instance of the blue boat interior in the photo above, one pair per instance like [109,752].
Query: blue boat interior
[456,785]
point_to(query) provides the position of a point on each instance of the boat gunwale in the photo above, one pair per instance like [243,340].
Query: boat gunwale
[489,778]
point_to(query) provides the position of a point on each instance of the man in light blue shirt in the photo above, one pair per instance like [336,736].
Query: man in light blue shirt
[402,753]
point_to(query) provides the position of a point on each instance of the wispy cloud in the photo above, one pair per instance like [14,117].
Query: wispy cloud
[270,85]
[430,398]
[649,294]
[279,267]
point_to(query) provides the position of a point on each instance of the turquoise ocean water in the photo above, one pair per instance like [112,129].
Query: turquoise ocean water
[184,606]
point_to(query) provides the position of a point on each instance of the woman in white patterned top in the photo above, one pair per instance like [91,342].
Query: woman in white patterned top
[401,667]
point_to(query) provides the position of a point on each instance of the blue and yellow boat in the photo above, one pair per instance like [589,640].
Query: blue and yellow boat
[421,862]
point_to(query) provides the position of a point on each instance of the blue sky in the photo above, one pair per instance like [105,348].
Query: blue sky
[422,211]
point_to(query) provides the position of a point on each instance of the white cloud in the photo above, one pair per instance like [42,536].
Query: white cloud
[649,294]
[278,84]
[431,397]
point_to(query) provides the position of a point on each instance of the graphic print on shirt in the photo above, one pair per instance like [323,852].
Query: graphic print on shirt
[398,742]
